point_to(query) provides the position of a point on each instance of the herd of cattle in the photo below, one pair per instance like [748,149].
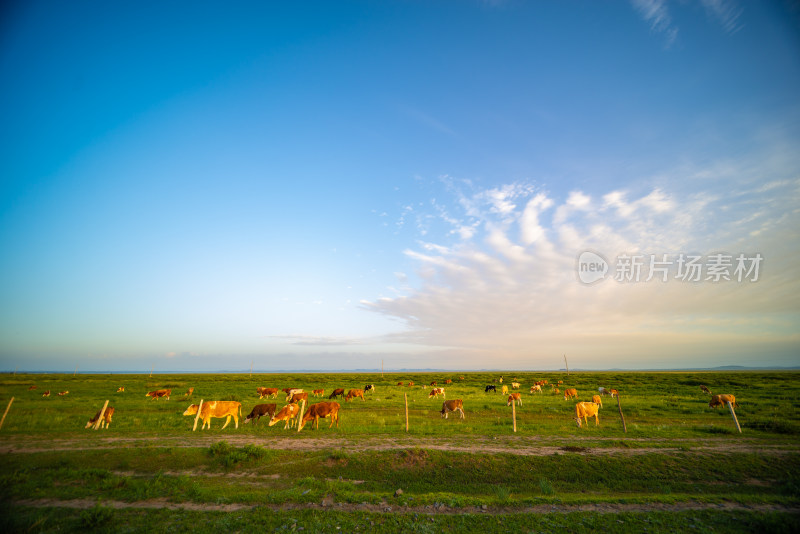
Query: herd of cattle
[290,414]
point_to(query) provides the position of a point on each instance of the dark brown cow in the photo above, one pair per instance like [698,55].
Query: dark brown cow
[453,406]
[705,389]
[297,397]
[259,411]
[32,387]
[321,410]
[338,392]
[106,418]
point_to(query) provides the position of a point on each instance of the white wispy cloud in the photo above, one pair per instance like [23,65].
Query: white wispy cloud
[656,13]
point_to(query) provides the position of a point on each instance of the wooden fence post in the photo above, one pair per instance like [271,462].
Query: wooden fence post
[6,412]
[300,415]
[405,395]
[730,406]
[99,419]
[199,410]
[619,407]
[514,414]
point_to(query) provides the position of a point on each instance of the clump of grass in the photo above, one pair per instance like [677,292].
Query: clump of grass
[546,487]
[96,517]
[502,493]
[228,455]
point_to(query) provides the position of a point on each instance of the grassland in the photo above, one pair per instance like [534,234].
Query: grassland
[679,465]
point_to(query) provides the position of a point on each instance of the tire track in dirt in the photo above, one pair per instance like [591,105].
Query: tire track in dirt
[385,508]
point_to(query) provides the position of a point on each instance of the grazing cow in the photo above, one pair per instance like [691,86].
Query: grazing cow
[448,381]
[46,393]
[721,400]
[189,392]
[321,410]
[353,393]
[106,418]
[501,379]
[297,397]
[560,382]
[369,387]
[493,388]
[399,383]
[62,393]
[435,392]
[258,411]
[584,410]
[288,413]
[318,392]
[452,406]
[515,385]
[536,389]
[461,378]
[157,394]
[433,383]
[411,384]
[514,397]
[570,393]
[32,387]
[556,391]
[603,391]
[705,389]
[120,389]
[339,392]
[504,390]
[290,392]
[614,392]
[220,409]
[267,392]
[597,400]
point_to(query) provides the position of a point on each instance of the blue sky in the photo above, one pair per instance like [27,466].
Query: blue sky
[326,185]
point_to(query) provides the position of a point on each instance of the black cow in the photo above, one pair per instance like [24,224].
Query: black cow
[490,387]
[339,392]
[260,410]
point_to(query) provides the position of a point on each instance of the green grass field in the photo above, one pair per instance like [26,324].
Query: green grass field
[680,464]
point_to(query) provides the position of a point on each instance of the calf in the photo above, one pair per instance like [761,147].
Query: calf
[453,406]
[584,410]
[339,392]
[435,392]
[321,410]
[514,397]
[353,393]
[106,418]
[258,411]
[490,387]
[570,393]
[721,400]
[536,389]
[267,392]
[297,397]
[318,392]
[288,413]
[157,394]
[597,400]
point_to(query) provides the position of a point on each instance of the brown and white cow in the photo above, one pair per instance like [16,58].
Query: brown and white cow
[339,392]
[353,393]
[597,399]
[106,418]
[62,393]
[219,409]
[32,387]
[536,389]
[570,393]
[722,400]
[157,394]
[433,383]
[514,397]
[267,392]
[705,390]
[259,411]
[318,392]
[189,392]
[614,392]
[46,393]
[290,392]
[435,392]
[448,381]
[411,384]
[399,383]
[121,389]
[454,405]
[584,410]
[321,410]
[288,413]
